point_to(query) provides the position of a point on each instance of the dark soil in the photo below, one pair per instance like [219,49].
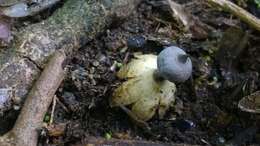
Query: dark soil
[205,112]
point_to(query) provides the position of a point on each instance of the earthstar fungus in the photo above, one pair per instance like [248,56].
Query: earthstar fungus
[150,83]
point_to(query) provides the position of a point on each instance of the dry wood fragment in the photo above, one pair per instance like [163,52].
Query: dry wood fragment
[55,130]
[245,16]
[198,29]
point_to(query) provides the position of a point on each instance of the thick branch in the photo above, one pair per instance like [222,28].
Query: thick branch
[72,26]
[248,18]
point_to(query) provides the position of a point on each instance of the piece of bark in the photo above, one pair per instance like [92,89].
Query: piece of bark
[55,130]
[245,16]
[198,29]
[38,100]
[72,26]
[92,141]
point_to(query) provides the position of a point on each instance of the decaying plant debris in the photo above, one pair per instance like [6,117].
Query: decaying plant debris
[198,29]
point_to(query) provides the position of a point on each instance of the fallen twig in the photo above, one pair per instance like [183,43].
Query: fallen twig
[245,16]
[62,105]
[198,29]
[54,101]
[39,99]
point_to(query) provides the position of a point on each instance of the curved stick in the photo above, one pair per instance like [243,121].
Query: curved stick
[39,99]
[239,12]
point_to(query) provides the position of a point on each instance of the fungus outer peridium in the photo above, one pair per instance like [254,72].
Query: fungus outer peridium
[142,90]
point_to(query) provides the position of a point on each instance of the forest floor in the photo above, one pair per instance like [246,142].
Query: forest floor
[225,68]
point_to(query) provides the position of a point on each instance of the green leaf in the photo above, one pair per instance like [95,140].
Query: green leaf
[108,135]
[46,118]
[257,2]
